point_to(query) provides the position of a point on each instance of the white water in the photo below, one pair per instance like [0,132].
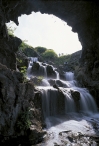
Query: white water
[60,109]
[45,72]
[30,64]
[69,76]
[57,75]
[52,98]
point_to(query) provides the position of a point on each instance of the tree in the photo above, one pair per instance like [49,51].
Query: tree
[49,55]
[40,50]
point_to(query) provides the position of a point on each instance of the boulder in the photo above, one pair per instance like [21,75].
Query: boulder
[50,71]
[76,97]
[35,68]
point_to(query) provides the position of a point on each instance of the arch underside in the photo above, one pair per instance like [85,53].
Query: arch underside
[82,16]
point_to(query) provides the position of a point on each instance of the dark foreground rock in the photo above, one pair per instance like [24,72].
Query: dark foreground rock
[20,110]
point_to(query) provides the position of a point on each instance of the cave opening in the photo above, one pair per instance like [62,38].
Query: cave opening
[46,31]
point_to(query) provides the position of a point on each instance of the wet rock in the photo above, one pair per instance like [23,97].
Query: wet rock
[22,60]
[76,97]
[35,69]
[35,136]
[79,139]
[51,81]
[55,144]
[55,86]
[70,139]
[60,100]
[62,75]
[36,80]
[50,71]
[61,83]
[64,132]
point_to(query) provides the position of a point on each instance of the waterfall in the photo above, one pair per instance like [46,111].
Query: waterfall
[45,72]
[69,76]
[65,107]
[30,64]
[56,101]
[57,75]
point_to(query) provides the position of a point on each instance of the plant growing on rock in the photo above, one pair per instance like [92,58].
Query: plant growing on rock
[23,71]
[23,122]
[37,80]
[40,78]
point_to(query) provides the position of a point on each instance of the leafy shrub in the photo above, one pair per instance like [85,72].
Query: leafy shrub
[23,70]
[28,50]
[40,78]
[37,80]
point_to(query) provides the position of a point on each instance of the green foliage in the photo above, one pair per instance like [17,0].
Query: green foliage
[37,81]
[40,50]
[29,52]
[24,45]
[19,60]
[23,70]
[60,60]
[40,78]
[26,49]
[49,55]
[23,122]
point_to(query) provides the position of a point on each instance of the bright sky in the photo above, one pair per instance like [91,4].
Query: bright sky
[47,31]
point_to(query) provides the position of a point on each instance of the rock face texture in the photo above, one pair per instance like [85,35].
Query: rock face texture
[14,97]
[20,108]
[82,16]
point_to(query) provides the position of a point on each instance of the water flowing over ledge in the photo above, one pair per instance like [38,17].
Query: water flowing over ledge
[68,109]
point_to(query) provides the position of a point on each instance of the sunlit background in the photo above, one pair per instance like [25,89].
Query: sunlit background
[47,31]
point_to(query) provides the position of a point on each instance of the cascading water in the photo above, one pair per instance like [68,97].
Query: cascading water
[69,76]
[45,72]
[53,99]
[30,64]
[57,75]
[64,111]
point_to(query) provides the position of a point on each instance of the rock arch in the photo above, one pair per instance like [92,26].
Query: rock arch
[82,16]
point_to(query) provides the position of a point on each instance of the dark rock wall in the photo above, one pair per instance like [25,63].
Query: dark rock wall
[82,16]
[15,97]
